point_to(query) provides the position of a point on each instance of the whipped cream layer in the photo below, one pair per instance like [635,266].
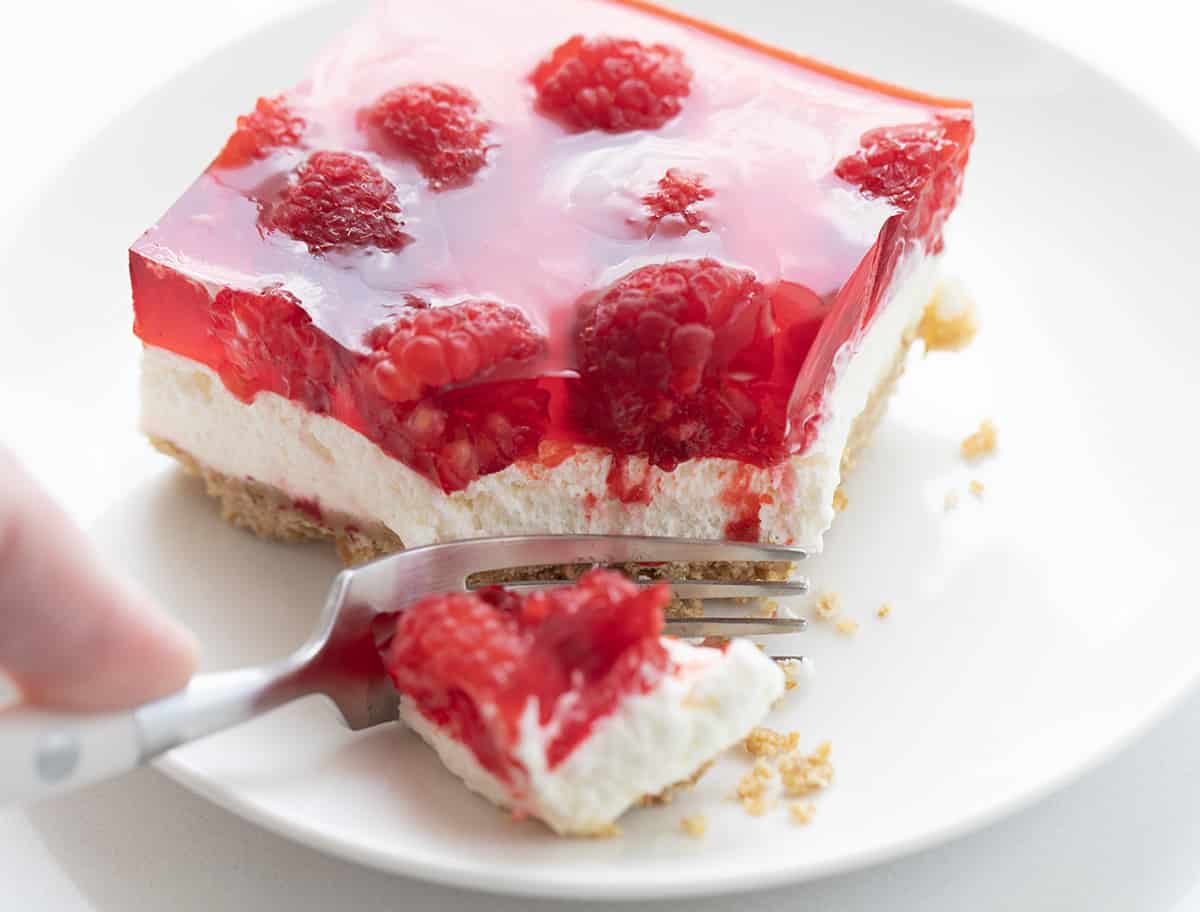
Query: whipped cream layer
[317,458]
[650,742]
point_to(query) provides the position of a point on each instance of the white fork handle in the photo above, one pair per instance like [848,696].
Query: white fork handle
[42,752]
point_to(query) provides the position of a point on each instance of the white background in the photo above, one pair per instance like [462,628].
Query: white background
[1127,836]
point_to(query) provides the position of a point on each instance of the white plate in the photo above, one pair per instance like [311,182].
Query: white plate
[1034,630]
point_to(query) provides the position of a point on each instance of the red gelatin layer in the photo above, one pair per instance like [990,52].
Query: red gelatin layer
[473,662]
[468,235]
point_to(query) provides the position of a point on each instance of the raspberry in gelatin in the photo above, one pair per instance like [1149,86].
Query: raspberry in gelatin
[269,126]
[674,362]
[426,348]
[675,197]
[337,200]
[268,343]
[917,167]
[613,84]
[438,126]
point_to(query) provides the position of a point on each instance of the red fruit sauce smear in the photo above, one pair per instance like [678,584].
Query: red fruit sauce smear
[473,661]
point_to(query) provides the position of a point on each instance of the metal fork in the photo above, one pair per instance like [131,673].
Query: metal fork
[42,753]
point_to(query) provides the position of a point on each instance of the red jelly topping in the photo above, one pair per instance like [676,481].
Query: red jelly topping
[430,238]
[472,662]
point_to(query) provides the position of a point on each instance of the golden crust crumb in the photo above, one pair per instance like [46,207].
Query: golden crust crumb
[828,605]
[608,831]
[766,742]
[948,328]
[803,774]
[695,825]
[976,487]
[802,812]
[753,787]
[793,673]
[781,768]
[884,610]
[980,443]
[846,627]
[840,500]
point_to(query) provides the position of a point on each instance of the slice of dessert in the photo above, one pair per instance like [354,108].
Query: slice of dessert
[596,268]
[568,704]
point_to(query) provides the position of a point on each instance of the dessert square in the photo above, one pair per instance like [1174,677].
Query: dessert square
[597,268]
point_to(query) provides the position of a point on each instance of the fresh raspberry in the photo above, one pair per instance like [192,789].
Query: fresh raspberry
[438,126]
[271,124]
[337,199]
[611,84]
[473,661]
[918,167]
[455,436]
[268,343]
[427,348]
[673,359]
[678,191]
[452,655]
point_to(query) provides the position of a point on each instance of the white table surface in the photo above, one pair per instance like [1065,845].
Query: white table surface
[1125,837]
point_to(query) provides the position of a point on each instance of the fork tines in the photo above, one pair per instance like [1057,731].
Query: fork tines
[541,551]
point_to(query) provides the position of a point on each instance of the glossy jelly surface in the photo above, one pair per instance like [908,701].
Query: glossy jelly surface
[469,234]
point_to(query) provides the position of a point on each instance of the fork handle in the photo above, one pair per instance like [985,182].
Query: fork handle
[43,752]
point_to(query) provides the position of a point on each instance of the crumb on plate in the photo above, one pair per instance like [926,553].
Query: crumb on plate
[608,831]
[803,774]
[694,825]
[884,610]
[948,323]
[840,500]
[802,812]
[846,627]
[980,443]
[753,788]
[828,604]
[794,672]
[951,501]
[789,772]
[766,742]
[976,487]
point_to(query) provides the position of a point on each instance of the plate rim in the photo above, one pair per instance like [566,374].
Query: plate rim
[1185,681]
